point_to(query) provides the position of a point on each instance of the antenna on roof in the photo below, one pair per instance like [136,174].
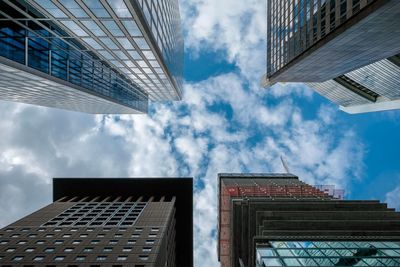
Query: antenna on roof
[285,165]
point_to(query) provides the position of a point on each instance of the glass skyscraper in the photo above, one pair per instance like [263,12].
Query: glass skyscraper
[277,220]
[124,222]
[91,55]
[325,42]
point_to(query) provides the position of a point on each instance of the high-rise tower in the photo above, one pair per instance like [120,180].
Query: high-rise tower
[277,220]
[94,56]
[337,45]
[137,222]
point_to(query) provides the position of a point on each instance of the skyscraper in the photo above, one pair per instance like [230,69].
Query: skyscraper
[277,220]
[94,56]
[106,222]
[324,42]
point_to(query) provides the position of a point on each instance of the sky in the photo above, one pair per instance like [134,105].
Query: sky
[226,122]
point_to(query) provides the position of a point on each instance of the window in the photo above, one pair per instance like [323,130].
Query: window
[57,230]
[25,229]
[117,235]
[122,258]
[17,258]
[101,258]
[49,250]
[74,230]
[89,229]
[113,242]
[38,258]
[76,242]
[80,258]
[135,235]
[131,242]
[101,235]
[49,235]
[59,258]
[146,249]
[29,250]
[152,235]
[150,242]
[9,229]
[94,242]
[127,249]
[41,230]
[67,235]
[3,242]
[68,249]
[83,235]
[23,242]
[87,249]
[143,257]
[107,249]
[155,229]
[32,235]
[10,249]
[15,235]
[58,242]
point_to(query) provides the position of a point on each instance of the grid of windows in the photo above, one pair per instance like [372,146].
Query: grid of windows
[29,39]
[99,214]
[295,25]
[324,253]
[112,31]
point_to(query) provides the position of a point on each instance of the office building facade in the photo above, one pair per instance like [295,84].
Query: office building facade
[91,56]
[319,41]
[277,220]
[106,222]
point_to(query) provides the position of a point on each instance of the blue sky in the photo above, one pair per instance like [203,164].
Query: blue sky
[225,123]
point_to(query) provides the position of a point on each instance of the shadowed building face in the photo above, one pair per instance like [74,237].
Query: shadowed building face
[277,220]
[106,222]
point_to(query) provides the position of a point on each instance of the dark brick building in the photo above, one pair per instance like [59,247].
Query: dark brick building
[136,222]
[277,220]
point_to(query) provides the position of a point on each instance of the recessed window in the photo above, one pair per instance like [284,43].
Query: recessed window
[131,242]
[49,235]
[57,230]
[25,229]
[9,229]
[127,249]
[143,257]
[67,235]
[49,250]
[113,242]
[58,242]
[17,258]
[150,242]
[155,229]
[59,258]
[41,230]
[15,235]
[32,235]
[3,242]
[29,250]
[22,242]
[68,249]
[117,235]
[101,235]
[38,258]
[107,249]
[90,229]
[135,235]
[80,258]
[101,258]
[138,229]
[122,258]
[10,250]
[106,229]
[146,249]
[76,242]
[87,249]
[74,230]
[122,229]
[152,235]
[95,242]
[83,235]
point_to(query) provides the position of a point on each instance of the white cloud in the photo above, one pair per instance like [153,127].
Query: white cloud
[393,198]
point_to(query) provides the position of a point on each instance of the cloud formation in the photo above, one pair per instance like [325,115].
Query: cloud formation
[226,123]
